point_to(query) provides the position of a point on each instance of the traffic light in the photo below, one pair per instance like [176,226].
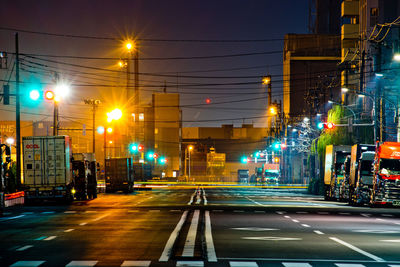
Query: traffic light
[140,148]
[100,129]
[244,160]
[34,94]
[134,148]
[49,95]
[329,125]
[283,146]
[276,146]
[155,155]
[163,161]
[320,125]
[150,155]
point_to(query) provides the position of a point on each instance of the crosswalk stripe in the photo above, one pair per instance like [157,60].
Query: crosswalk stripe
[349,265]
[24,248]
[135,264]
[27,264]
[243,264]
[81,263]
[189,264]
[296,264]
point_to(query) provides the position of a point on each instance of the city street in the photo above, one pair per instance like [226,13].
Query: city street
[204,226]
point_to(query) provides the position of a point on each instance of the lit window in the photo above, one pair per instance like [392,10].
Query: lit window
[141,117]
[156,131]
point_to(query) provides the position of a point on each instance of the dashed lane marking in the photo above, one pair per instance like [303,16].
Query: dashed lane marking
[286,216]
[70,211]
[48,212]
[82,224]
[50,238]
[135,264]
[365,215]
[255,229]
[391,240]
[305,225]
[166,254]
[68,230]
[24,248]
[243,264]
[387,215]
[271,238]
[175,210]
[81,263]
[101,217]
[27,263]
[40,238]
[11,218]
[350,246]
[318,232]
[296,221]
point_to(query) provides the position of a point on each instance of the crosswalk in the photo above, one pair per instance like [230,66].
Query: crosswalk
[194,263]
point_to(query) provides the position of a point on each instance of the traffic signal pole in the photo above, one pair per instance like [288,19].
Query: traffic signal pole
[17,112]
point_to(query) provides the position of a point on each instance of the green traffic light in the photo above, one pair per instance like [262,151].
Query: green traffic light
[134,148]
[277,146]
[244,160]
[320,125]
[34,95]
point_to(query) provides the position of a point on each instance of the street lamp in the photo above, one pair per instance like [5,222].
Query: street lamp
[188,150]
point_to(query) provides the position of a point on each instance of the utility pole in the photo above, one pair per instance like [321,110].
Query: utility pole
[17,112]
[94,104]
[377,105]
[136,93]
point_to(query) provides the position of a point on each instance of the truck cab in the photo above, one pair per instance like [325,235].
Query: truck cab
[364,184]
[344,187]
[386,176]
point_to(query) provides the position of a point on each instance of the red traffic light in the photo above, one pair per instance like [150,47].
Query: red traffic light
[49,95]
[140,148]
[155,155]
[208,100]
[329,125]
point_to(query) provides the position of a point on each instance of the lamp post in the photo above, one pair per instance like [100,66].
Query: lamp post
[190,148]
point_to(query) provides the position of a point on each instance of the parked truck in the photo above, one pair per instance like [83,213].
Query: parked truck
[363,188]
[119,175]
[271,174]
[386,175]
[243,176]
[333,177]
[84,169]
[357,151]
[47,168]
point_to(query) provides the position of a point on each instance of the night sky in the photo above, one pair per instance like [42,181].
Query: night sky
[150,19]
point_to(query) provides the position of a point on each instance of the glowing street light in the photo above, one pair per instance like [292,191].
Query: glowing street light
[115,114]
[273,111]
[100,129]
[109,130]
[62,90]
[10,141]
[266,80]
[129,46]
[396,57]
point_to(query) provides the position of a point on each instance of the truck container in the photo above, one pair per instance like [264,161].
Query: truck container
[334,158]
[271,174]
[243,176]
[84,169]
[362,191]
[386,176]
[119,175]
[356,152]
[47,168]
[142,171]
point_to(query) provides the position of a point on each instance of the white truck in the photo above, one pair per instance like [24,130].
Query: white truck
[47,168]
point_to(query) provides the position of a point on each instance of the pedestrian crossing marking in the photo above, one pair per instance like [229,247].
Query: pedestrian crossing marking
[81,263]
[27,263]
[189,264]
[243,264]
[135,264]
[296,264]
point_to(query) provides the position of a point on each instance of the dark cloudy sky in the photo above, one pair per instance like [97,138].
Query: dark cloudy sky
[151,19]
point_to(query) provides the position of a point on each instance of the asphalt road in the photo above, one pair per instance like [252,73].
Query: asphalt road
[173,226]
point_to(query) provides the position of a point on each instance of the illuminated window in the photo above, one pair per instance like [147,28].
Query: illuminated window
[141,117]
[156,131]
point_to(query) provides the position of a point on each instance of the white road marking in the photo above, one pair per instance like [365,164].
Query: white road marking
[271,238]
[70,211]
[287,217]
[243,264]
[188,250]
[24,248]
[305,225]
[48,212]
[204,197]
[366,215]
[189,264]
[82,224]
[192,198]
[349,265]
[211,256]
[10,218]
[296,264]
[101,217]
[81,263]
[391,240]
[376,231]
[387,215]
[350,246]
[135,264]
[175,210]
[69,230]
[255,202]
[27,263]
[302,212]
[255,229]
[296,221]
[166,254]
[91,211]
[198,199]
[318,232]
[280,212]
[50,238]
